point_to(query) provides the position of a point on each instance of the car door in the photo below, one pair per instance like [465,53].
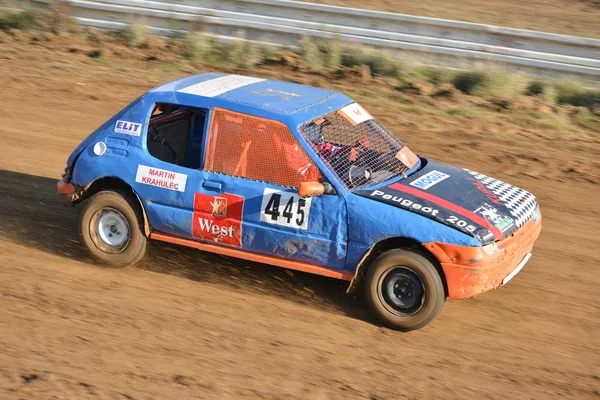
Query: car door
[248,195]
[169,167]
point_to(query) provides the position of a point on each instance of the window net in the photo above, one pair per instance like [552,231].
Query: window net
[257,148]
[359,150]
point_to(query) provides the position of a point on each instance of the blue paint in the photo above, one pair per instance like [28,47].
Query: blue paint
[341,227]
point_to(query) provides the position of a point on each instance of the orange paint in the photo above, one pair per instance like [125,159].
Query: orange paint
[311,189]
[64,188]
[245,255]
[470,270]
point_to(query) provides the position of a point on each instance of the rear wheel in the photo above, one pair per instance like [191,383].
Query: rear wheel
[109,227]
[404,290]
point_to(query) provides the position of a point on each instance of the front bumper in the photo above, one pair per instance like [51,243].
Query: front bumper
[471,270]
[66,191]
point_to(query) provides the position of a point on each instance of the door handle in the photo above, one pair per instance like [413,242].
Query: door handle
[212,185]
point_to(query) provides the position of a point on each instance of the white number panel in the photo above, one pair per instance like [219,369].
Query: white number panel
[284,208]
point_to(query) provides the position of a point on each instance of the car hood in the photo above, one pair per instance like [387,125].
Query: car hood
[473,203]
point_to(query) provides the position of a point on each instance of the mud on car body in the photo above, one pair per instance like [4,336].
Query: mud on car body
[297,177]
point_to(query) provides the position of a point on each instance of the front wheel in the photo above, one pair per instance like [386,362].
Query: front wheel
[109,228]
[404,290]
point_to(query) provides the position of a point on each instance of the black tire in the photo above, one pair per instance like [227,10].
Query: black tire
[121,213]
[391,279]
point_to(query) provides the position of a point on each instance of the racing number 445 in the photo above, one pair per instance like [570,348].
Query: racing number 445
[285,208]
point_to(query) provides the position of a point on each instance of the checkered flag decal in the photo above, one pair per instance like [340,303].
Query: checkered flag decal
[521,203]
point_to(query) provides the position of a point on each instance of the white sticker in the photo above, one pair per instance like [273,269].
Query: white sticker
[161,178]
[428,180]
[355,113]
[128,128]
[285,208]
[217,86]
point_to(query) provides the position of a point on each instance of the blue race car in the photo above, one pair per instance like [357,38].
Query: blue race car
[297,177]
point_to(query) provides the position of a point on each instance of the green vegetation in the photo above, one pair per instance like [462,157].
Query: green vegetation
[28,20]
[380,62]
[503,85]
[243,53]
[495,89]
[311,53]
[468,82]
[433,75]
[240,53]
[195,45]
[573,92]
[135,35]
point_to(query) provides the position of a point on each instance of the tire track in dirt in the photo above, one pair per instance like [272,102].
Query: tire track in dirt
[187,324]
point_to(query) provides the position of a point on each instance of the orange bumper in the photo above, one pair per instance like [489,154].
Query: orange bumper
[66,191]
[471,270]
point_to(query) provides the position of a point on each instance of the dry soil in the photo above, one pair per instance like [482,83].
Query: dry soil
[190,325]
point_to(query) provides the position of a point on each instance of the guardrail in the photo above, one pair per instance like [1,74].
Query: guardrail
[283,22]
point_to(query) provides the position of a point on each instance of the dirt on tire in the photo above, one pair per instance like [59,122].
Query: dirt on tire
[186,324]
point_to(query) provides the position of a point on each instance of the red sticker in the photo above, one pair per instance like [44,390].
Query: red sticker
[218,218]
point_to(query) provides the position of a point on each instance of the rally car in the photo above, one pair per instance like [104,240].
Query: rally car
[297,177]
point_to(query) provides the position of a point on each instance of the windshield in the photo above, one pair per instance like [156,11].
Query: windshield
[357,148]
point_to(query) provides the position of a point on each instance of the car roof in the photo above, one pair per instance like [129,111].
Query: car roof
[245,94]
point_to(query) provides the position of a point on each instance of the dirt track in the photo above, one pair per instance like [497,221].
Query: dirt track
[191,325]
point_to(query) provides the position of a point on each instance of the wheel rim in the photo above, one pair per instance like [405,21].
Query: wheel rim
[401,291]
[110,230]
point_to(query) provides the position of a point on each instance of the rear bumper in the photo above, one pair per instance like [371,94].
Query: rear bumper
[471,270]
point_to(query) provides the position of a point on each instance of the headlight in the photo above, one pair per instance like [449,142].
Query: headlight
[536,214]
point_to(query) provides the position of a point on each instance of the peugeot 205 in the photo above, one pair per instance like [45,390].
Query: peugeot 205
[301,178]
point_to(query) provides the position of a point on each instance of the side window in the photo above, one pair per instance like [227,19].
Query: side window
[175,134]
[257,148]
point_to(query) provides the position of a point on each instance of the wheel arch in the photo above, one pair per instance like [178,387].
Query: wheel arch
[398,242]
[113,182]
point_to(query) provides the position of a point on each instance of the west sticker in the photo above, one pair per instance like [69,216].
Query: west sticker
[285,209]
[428,180]
[161,178]
[218,218]
[128,128]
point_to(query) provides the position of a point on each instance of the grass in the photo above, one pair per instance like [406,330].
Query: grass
[28,20]
[241,53]
[502,85]
[333,55]
[589,121]
[550,95]
[135,35]
[195,45]
[399,97]
[380,62]
[468,82]
[433,75]
[311,53]
[573,92]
